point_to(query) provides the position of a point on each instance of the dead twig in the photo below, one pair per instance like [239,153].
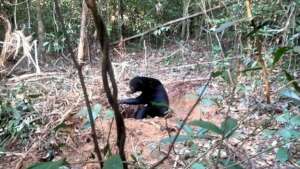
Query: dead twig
[20,162]
[67,114]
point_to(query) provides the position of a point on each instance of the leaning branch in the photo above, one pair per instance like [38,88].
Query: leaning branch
[172,22]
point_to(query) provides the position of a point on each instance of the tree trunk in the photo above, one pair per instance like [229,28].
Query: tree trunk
[185,24]
[82,47]
[41,29]
[121,20]
[7,26]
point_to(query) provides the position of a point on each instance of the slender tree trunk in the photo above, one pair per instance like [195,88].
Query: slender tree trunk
[41,29]
[121,28]
[82,47]
[185,24]
[7,26]
[265,72]
[15,15]
[121,20]
[28,4]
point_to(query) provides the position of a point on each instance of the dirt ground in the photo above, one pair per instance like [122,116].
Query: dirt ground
[61,95]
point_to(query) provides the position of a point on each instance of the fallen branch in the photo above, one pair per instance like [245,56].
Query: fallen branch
[35,75]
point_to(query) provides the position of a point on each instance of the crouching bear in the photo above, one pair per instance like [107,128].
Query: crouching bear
[154,97]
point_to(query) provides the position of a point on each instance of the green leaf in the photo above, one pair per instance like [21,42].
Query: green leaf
[86,125]
[109,115]
[295,134]
[114,162]
[267,133]
[201,132]
[207,125]
[282,154]
[251,69]
[198,166]
[296,120]
[180,138]
[284,118]
[279,53]
[290,94]
[285,133]
[49,165]
[188,129]
[208,102]
[289,77]
[217,73]
[96,109]
[229,126]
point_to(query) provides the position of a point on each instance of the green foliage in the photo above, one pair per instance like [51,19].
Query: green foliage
[279,53]
[109,115]
[295,121]
[143,15]
[229,164]
[96,112]
[49,165]
[191,134]
[282,154]
[180,138]
[187,129]
[54,43]
[114,162]
[207,125]
[16,115]
[284,118]
[209,101]
[228,126]
[198,166]
[289,124]
[288,93]
[217,73]
[290,78]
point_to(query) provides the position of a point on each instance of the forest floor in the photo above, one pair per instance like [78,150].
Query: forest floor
[183,69]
